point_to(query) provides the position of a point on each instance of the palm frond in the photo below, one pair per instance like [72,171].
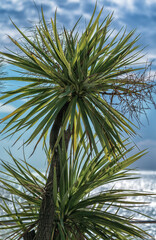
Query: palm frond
[66,68]
[84,206]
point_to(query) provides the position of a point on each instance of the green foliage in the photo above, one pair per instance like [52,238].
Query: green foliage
[67,74]
[74,70]
[83,210]
[24,185]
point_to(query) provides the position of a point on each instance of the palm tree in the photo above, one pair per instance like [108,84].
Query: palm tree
[82,211]
[68,77]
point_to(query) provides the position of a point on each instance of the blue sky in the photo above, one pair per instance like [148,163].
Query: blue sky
[139,14]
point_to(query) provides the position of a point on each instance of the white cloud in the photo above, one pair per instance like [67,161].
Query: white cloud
[130,4]
[151,56]
[8,4]
[6,108]
[150,2]
[147,143]
[74,1]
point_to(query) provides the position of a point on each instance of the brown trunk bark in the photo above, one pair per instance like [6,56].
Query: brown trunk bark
[29,235]
[47,210]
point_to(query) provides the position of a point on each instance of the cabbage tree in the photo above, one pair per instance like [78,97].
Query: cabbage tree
[67,78]
[85,208]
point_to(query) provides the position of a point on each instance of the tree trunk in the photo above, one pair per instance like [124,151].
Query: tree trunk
[47,210]
[29,235]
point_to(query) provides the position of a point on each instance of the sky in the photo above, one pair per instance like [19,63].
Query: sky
[138,14]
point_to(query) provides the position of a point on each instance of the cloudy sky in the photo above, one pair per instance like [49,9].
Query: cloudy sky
[139,14]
